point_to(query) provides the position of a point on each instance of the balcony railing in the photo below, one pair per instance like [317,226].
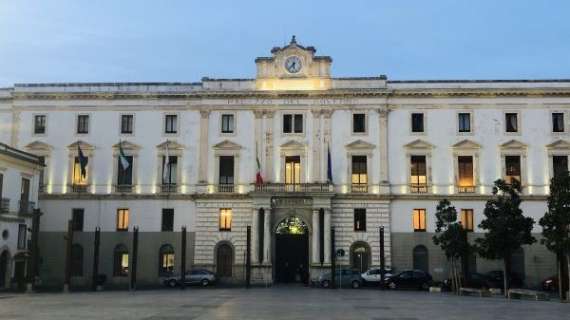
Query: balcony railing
[27,207]
[5,205]
[169,188]
[418,188]
[295,187]
[226,187]
[465,189]
[124,188]
[359,188]
[79,188]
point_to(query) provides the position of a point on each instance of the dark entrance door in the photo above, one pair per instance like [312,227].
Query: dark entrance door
[20,273]
[292,251]
[3,269]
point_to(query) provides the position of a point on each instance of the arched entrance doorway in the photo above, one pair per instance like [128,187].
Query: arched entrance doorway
[224,260]
[360,256]
[4,259]
[292,250]
[421,258]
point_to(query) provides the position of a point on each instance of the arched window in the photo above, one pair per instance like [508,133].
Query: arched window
[517,263]
[224,260]
[360,256]
[76,260]
[121,261]
[421,258]
[165,260]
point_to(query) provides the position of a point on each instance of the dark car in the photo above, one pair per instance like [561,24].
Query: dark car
[550,284]
[495,280]
[198,276]
[475,280]
[410,279]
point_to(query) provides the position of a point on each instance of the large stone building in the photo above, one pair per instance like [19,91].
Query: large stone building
[351,154]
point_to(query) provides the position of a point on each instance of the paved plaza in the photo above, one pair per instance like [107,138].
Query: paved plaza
[273,303]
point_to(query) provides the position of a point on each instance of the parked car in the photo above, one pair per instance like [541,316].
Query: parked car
[495,279]
[343,278]
[550,284]
[409,279]
[373,275]
[475,280]
[194,277]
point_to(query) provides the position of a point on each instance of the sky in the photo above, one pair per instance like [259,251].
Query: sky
[183,41]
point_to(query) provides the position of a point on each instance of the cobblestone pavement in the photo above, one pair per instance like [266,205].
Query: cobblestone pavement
[273,303]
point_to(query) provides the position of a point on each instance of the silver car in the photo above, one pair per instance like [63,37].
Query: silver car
[344,278]
[198,276]
[373,275]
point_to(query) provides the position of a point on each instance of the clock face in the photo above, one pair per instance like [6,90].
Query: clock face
[293,64]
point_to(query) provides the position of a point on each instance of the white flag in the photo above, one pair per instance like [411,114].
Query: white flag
[166,165]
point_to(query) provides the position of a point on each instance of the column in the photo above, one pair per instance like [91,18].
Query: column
[316,238]
[269,145]
[383,149]
[327,236]
[267,236]
[255,236]
[317,146]
[203,158]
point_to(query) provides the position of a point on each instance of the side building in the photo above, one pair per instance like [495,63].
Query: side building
[294,153]
[19,179]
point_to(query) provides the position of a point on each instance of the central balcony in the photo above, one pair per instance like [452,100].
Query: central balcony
[5,205]
[27,207]
[297,187]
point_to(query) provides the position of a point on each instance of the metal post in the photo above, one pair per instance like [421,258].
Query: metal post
[96,244]
[33,268]
[333,261]
[134,262]
[382,258]
[68,245]
[248,258]
[183,261]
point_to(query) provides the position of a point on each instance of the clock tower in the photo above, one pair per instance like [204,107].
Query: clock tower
[293,67]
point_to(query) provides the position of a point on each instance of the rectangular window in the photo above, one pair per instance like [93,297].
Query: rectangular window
[559,165]
[417,122]
[82,124]
[419,220]
[40,124]
[292,173]
[78,178]
[77,219]
[226,219]
[464,122]
[127,123]
[512,169]
[359,123]
[418,178]
[169,170]
[22,236]
[167,220]
[467,219]
[122,219]
[465,174]
[360,219]
[511,121]
[359,174]
[226,179]
[227,123]
[292,123]
[25,192]
[171,123]
[558,122]
[125,174]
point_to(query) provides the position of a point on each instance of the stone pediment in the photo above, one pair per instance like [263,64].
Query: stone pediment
[172,145]
[559,145]
[466,144]
[84,145]
[127,146]
[360,145]
[513,144]
[227,145]
[293,145]
[419,144]
[38,146]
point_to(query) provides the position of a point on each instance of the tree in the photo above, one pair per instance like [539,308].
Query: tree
[507,228]
[555,227]
[452,238]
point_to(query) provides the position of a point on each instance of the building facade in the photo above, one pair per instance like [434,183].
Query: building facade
[19,181]
[293,153]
